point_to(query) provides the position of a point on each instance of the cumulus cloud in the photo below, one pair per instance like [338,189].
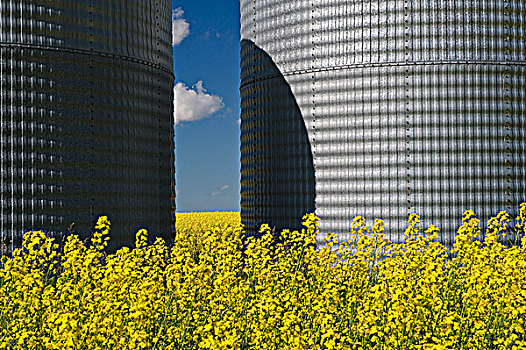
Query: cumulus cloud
[180,27]
[238,122]
[194,103]
[222,190]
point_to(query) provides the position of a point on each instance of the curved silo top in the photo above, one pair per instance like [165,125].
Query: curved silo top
[409,106]
[87,94]
[133,29]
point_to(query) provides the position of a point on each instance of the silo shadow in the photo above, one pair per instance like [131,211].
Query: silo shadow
[277,168]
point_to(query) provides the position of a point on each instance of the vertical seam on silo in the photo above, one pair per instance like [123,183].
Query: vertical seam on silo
[388,98]
[460,125]
[427,148]
[378,30]
[468,132]
[380,167]
[20,137]
[485,123]
[418,112]
[460,134]
[371,157]
[407,103]
[255,204]
[520,130]
[469,124]
[437,81]
[478,54]
[22,77]
[32,135]
[344,162]
[33,182]
[491,30]
[448,153]
[362,105]
[313,91]
[468,106]
[159,161]
[2,134]
[493,120]
[11,126]
[507,108]
[355,148]
[436,156]
[348,116]
[92,111]
[131,147]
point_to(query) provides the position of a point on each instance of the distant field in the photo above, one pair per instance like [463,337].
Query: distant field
[203,220]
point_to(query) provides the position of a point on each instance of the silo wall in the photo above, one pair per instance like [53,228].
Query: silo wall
[397,107]
[87,121]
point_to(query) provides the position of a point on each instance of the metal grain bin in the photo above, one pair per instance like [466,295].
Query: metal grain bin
[382,109]
[87,117]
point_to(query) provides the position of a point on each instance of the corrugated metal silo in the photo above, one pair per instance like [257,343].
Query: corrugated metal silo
[393,107]
[86,114]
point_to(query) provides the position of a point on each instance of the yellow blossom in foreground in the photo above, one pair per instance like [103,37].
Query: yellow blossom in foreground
[215,290]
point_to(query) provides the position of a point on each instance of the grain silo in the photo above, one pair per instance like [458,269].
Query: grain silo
[86,114]
[382,108]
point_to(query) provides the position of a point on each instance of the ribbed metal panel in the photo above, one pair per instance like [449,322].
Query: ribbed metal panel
[86,113]
[406,106]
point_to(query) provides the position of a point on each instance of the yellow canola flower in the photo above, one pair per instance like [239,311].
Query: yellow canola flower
[212,290]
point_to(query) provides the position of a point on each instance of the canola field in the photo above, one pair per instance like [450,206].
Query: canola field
[214,290]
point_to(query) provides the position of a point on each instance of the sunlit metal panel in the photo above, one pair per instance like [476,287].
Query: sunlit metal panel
[406,107]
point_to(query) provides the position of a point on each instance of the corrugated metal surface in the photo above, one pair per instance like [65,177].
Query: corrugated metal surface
[86,113]
[408,106]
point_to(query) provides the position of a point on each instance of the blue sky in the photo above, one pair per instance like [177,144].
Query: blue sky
[206,64]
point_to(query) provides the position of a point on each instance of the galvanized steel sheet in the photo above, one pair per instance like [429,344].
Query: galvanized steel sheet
[86,114]
[406,106]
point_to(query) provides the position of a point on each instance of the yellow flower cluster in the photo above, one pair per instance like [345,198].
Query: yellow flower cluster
[193,225]
[225,292]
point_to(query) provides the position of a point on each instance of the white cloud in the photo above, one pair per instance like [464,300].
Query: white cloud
[238,121]
[211,32]
[222,190]
[194,103]
[180,27]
